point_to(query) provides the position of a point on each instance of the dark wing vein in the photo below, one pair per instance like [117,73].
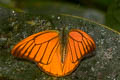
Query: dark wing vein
[75,49]
[86,47]
[52,50]
[91,48]
[83,47]
[18,52]
[37,52]
[31,50]
[44,53]
[49,53]
[15,51]
[26,49]
[80,49]
[70,50]
[92,45]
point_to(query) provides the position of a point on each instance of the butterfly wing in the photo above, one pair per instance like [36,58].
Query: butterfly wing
[39,47]
[55,67]
[43,48]
[79,44]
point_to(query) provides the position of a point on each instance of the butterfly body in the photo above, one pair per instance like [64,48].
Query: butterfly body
[55,54]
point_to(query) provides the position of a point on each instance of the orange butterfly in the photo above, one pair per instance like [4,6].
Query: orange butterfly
[53,57]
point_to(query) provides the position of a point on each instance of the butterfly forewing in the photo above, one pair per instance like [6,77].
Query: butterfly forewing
[38,47]
[79,44]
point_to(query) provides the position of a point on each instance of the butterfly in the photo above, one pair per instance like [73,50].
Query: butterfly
[54,58]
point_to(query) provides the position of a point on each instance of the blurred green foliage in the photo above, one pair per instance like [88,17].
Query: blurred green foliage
[109,7]
[113,15]
[88,3]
